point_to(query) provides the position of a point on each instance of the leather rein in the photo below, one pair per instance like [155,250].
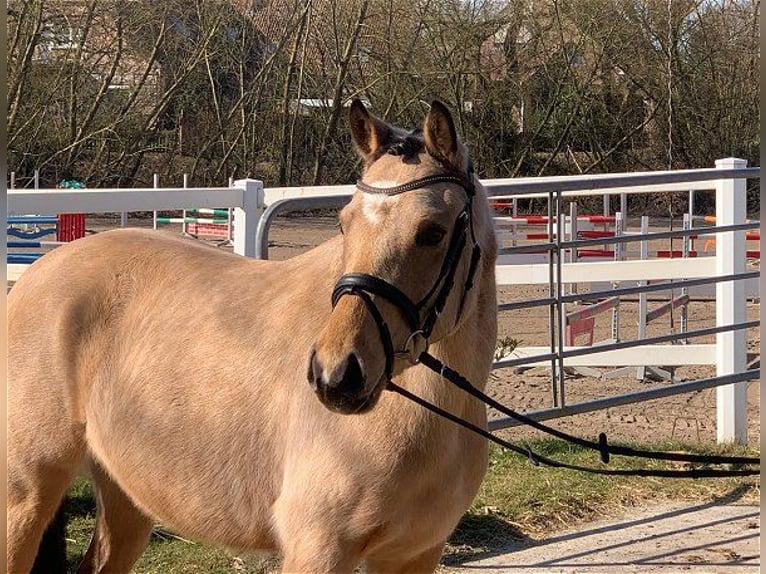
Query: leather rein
[363,285]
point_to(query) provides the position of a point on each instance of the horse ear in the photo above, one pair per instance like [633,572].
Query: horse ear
[369,133]
[440,135]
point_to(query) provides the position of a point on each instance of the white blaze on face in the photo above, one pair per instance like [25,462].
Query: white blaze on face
[372,204]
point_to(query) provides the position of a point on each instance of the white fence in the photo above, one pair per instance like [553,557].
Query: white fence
[250,200]
[245,196]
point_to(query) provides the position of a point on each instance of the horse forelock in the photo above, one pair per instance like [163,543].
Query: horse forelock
[406,159]
[409,146]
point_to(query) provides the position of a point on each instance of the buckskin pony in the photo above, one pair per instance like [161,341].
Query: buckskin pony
[175,375]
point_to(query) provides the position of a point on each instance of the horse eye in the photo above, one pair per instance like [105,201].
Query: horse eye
[430,236]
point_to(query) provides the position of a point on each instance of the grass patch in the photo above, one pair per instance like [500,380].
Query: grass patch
[166,553]
[517,500]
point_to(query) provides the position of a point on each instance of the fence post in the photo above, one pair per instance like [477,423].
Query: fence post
[246,217]
[731,349]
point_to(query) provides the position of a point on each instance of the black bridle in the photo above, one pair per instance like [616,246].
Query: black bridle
[364,285]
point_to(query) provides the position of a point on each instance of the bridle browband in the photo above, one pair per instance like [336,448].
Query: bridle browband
[364,285]
[415,184]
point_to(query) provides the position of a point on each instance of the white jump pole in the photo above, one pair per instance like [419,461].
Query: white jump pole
[691,203]
[643,306]
[606,214]
[573,237]
[123,219]
[731,346]
[515,214]
[686,247]
[230,219]
[619,255]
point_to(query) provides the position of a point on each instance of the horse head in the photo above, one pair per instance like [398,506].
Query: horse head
[414,235]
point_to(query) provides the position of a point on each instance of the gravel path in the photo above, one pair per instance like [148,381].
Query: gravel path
[716,537]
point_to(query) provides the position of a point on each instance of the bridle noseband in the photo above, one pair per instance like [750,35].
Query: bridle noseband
[364,285]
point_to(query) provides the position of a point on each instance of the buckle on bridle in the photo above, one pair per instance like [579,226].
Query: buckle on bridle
[412,355]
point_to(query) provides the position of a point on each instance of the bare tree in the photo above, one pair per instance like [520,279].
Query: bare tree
[114,90]
[344,43]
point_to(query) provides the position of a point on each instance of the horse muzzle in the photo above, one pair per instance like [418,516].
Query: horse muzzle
[342,387]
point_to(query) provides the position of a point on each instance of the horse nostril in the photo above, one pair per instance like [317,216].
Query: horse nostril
[352,381]
[314,374]
[346,379]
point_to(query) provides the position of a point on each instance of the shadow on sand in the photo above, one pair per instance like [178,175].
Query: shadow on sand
[502,538]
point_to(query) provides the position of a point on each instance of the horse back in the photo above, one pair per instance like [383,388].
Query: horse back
[67,313]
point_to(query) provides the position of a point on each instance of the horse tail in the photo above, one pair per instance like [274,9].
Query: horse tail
[51,555]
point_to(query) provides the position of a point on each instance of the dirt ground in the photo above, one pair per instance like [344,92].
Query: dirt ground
[712,537]
[709,538]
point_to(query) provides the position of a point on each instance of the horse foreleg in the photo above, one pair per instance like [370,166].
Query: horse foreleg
[30,509]
[311,555]
[315,545]
[423,563]
[122,530]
